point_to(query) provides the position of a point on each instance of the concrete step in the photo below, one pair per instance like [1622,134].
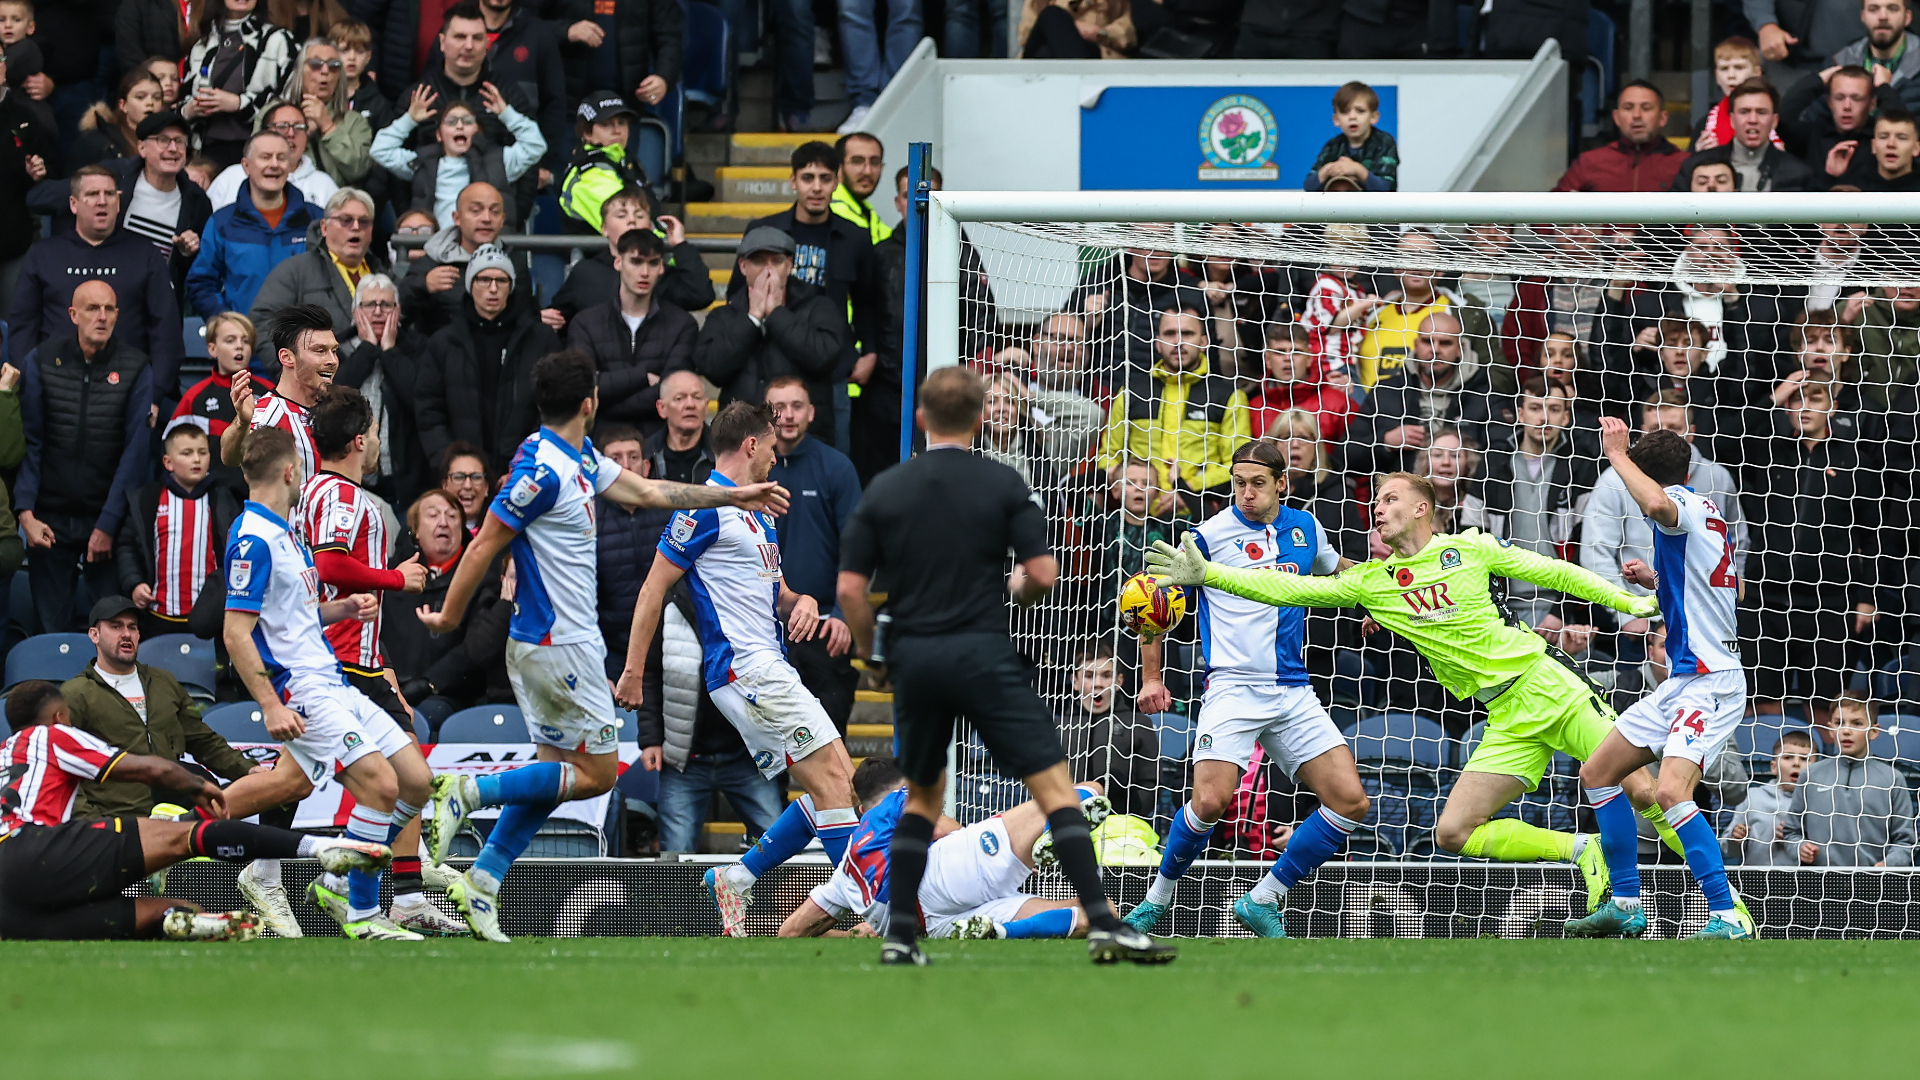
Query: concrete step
[706,150]
[728,217]
[754,183]
[765,147]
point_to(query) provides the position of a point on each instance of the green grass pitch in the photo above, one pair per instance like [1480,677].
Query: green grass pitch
[791,1009]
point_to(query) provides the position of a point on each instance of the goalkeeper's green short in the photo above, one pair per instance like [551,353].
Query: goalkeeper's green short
[1548,708]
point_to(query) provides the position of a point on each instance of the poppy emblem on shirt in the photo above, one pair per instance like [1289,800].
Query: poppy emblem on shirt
[1254,552]
[520,54]
[113,378]
[1404,576]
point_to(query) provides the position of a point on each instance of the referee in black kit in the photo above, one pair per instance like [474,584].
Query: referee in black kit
[940,527]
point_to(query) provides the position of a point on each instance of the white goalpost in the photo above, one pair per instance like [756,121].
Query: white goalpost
[1132,339]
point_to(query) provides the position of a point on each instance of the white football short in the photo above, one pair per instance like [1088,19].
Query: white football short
[563,694]
[777,716]
[1288,720]
[1688,716]
[343,726]
[973,872]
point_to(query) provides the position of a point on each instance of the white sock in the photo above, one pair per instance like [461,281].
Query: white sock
[1728,915]
[484,881]
[335,883]
[738,876]
[409,901]
[403,812]
[267,871]
[1161,891]
[1628,904]
[1267,890]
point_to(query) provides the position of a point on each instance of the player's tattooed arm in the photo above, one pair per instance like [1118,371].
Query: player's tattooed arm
[632,490]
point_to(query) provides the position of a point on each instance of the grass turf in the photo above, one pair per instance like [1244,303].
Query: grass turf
[785,1009]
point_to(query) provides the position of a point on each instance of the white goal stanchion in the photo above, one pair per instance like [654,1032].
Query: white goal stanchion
[1131,340]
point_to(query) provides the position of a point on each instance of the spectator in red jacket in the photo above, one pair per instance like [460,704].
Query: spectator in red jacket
[1640,159]
[1294,380]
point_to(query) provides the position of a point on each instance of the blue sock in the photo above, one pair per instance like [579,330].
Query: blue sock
[1619,839]
[833,838]
[1055,923]
[511,835]
[790,834]
[363,888]
[1185,841]
[1318,839]
[1084,792]
[1703,854]
[536,783]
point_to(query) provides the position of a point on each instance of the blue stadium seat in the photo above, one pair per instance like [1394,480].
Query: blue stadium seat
[653,151]
[1349,674]
[1754,739]
[549,273]
[1176,735]
[1597,78]
[422,727]
[485,724]
[238,722]
[193,337]
[1402,758]
[1899,742]
[49,656]
[189,658]
[704,53]
[20,605]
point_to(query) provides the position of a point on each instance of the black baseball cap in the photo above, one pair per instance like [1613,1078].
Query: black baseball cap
[110,607]
[159,122]
[605,105]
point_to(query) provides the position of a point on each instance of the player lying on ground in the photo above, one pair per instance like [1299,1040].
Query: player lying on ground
[1689,718]
[276,637]
[1257,692]
[731,560]
[1437,593]
[62,879]
[555,654]
[972,884]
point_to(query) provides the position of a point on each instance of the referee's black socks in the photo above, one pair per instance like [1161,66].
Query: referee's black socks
[906,865]
[242,841]
[1073,846]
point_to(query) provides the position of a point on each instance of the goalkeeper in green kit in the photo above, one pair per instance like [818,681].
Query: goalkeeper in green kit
[1437,593]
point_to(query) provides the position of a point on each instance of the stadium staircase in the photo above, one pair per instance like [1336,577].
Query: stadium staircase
[749,173]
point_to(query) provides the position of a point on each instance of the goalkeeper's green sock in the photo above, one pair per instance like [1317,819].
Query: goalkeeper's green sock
[1668,837]
[1513,840]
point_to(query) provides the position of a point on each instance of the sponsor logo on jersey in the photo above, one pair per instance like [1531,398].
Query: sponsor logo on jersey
[551,733]
[763,760]
[343,520]
[1431,602]
[573,681]
[989,843]
[525,490]
[319,771]
[1449,558]
[240,575]
[682,531]
[769,561]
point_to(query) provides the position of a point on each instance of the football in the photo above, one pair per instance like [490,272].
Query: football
[1149,608]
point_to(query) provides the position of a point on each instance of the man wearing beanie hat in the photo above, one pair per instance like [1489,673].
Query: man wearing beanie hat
[477,385]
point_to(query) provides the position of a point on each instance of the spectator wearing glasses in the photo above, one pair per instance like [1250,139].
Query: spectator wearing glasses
[464,474]
[288,121]
[341,138]
[330,270]
[266,225]
[232,71]
[158,200]
[380,358]
[479,379]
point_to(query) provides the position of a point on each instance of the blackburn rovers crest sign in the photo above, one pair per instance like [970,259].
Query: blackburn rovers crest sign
[1238,138]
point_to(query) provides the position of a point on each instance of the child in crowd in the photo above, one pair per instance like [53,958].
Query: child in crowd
[25,62]
[1362,152]
[1735,60]
[201,170]
[1294,381]
[461,154]
[1331,332]
[1851,809]
[355,43]
[171,538]
[230,341]
[600,166]
[1756,831]
[593,280]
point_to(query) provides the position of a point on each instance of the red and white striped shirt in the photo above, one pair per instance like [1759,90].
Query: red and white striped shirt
[272,410]
[1336,347]
[336,514]
[183,551]
[44,766]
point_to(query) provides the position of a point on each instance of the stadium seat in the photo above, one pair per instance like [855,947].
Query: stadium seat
[485,724]
[193,337]
[1552,805]
[653,151]
[1597,78]
[238,722]
[58,657]
[549,270]
[189,658]
[1349,675]
[1754,739]
[1176,735]
[1401,759]
[422,728]
[1899,742]
[979,791]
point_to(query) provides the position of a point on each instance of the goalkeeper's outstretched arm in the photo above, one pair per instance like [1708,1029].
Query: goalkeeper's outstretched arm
[1562,576]
[1185,565]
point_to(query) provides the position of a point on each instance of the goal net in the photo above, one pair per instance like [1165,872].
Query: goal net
[1131,342]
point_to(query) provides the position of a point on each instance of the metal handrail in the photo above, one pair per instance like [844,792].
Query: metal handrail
[570,242]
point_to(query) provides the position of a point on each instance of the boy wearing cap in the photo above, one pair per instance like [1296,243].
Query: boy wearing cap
[600,166]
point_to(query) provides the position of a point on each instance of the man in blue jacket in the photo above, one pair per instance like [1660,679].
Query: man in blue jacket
[265,226]
[825,489]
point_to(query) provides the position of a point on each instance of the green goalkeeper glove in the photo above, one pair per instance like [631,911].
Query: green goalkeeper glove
[1643,606]
[1183,565]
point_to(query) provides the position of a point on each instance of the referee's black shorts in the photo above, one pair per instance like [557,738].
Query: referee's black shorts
[937,680]
[63,882]
[381,693]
